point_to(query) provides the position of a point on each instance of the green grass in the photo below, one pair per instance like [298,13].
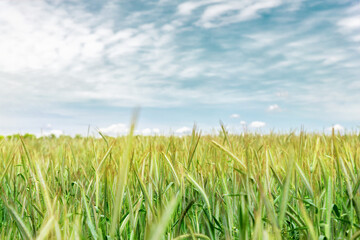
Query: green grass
[196,187]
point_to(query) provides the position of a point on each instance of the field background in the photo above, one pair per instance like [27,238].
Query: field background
[249,186]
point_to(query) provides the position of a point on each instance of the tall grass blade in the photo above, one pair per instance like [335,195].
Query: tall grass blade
[230,154]
[124,165]
[23,229]
[159,229]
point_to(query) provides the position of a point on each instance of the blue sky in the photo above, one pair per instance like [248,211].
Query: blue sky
[274,64]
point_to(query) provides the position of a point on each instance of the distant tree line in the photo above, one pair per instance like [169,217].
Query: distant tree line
[33,136]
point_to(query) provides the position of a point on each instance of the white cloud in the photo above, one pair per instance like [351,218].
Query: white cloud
[115,130]
[336,127]
[187,8]
[227,12]
[274,108]
[33,43]
[222,12]
[243,123]
[235,115]
[77,56]
[146,131]
[53,55]
[149,131]
[257,124]
[265,39]
[54,132]
[183,131]
[68,54]
[121,129]
[350,23]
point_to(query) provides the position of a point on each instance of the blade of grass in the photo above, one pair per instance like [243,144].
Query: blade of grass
[23,229]
[172,169]
[230,154]
[201,190]
[308,222]
[304,179]
[159,229]
[328,209]
[285,193]
[46,229]
[124,165]
[145,193]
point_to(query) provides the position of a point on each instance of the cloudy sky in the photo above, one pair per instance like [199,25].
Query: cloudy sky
[275,64]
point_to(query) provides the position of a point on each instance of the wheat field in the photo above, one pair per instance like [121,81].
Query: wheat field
[224,186]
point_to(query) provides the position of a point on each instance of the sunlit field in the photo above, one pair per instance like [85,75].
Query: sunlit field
[250,186]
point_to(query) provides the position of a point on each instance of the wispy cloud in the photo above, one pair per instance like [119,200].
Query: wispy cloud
[217,13]
[350,23]
[78,55]
[207,53]
[234,11]
[187,8]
